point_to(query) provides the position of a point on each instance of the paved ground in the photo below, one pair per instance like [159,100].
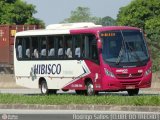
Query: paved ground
[83,107]
[8,81]
[37,91]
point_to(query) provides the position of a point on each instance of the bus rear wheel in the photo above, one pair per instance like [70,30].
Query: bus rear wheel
[44,88]
[133,92]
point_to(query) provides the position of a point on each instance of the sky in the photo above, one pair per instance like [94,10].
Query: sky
[55,11]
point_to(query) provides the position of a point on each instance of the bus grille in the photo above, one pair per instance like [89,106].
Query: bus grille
[129,76]
[125,83]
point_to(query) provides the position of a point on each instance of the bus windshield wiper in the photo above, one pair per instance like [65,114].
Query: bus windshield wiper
[133,51]
[119,56]
[121,51]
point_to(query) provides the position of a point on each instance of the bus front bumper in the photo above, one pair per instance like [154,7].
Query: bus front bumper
[114,84]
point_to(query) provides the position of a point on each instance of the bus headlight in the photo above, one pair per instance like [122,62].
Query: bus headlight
[109,73]
[148,71]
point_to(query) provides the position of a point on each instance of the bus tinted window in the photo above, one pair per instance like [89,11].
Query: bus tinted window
[23,48]
[60,47]
[26,47]
[89,47]
[43,47]
[19,48]
[77,46]
[51,47]
[68,46]
[93,49]
[35,48]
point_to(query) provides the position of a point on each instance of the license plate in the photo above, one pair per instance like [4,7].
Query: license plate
[130,87]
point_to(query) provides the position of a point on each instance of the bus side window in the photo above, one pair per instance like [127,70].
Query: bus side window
[60,47]
[90,47]
[77,52]
[26,46]
[51,47]
[68,46]
[43,47]
[23,48]
[93,49]
[94,55]
[77,46]
[27,53]
[84,46]
[19,48]
[35,48]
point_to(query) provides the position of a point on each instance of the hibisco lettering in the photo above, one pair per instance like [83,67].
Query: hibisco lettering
[47,69]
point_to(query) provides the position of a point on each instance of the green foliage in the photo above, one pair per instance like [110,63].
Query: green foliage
[82,14]
[67,99]
[144,14]
[153,33]
[138,12]
[9,1]
[108,21]
[34,21]
[17,12]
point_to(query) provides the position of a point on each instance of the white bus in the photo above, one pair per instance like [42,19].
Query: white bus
[84,57]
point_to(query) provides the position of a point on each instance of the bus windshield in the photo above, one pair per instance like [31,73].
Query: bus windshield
[122,47]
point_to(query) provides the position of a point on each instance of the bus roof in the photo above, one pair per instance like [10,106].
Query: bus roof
[42,32]
[101,29]
[72,25]
[73,29]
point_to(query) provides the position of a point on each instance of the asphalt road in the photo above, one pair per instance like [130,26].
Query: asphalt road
[75,115]
[37,91]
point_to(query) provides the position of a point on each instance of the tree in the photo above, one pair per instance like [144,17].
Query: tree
[153,32]
[17,12]
[138,12]
[9,1]
[108,21]
[144,14]
[82,14]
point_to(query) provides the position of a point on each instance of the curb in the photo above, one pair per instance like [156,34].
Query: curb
[82,107]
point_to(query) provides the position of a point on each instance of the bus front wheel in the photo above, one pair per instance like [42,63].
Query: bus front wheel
[90,89]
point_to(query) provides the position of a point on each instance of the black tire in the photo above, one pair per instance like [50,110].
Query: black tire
[90,89]
[44,88]
[133,92]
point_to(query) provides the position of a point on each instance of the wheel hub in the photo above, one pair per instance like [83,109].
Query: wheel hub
[90,89]
[44,88]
